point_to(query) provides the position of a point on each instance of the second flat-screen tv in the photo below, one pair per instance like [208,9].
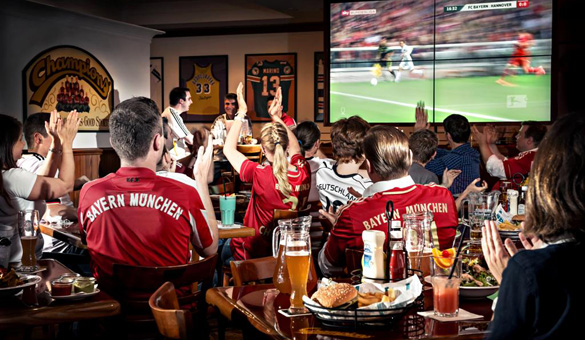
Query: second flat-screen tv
[487,60]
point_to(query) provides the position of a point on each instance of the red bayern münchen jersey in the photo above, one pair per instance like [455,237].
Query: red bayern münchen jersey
[519,164]
[136,217]
[522,47]
[370,214]
[265,198]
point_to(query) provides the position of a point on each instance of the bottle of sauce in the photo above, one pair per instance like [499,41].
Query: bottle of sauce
[397,258]
[522,201]
[373,260]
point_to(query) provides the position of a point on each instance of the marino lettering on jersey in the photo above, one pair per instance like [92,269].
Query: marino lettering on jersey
[136,217]
[369,214]
[265,198]
[265,77]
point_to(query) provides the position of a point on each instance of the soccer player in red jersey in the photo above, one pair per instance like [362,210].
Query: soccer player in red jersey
[388,159]
[134,216]
[521,58]
[278,185]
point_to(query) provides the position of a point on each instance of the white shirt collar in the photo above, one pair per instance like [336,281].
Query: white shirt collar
[377,187]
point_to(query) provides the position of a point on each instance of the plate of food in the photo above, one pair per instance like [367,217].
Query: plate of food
[12,283]
[476,279]
[76,296]
[509,230]
[343,304]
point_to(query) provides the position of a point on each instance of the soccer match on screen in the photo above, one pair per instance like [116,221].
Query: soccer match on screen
[489,61]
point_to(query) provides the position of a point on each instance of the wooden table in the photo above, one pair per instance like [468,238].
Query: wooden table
[237,232]
[245,306]
[36,308]
[69,234]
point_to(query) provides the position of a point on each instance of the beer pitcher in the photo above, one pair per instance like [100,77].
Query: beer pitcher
[280,277]
[418,239]
[482,206]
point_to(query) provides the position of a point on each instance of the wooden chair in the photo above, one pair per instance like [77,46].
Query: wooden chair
[172,322]
[135,284]
[252,271]
[252,152]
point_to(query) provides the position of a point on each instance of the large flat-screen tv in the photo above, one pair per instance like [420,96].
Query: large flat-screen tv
[487,60]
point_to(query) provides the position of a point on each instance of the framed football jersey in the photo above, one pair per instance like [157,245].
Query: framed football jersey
[264,74]
[206,77]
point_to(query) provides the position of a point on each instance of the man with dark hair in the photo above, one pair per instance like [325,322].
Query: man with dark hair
[388,159]
[527,141]
[134,216]
[423,144]
[219,129]
[44,158]
[461,157]
[180,100]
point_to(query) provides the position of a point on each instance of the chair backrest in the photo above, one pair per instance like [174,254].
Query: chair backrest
[353,259]
[250,271]
[172,322]
[135,284]
[252,152]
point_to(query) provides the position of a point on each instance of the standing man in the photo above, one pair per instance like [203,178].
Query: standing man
[527,141]
[180,99]
[134,216]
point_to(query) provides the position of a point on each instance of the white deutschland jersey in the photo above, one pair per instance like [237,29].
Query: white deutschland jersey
[333,186]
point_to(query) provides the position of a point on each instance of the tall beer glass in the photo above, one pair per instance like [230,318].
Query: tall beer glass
[28,225]
[298,258]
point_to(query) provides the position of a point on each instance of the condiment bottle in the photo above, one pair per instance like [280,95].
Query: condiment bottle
[522,201]
[373,260]
[397,258]
[513,201]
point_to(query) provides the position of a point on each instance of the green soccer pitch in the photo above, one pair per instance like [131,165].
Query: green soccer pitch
[480,99]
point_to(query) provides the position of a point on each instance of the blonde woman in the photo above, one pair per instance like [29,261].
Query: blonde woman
[277,185]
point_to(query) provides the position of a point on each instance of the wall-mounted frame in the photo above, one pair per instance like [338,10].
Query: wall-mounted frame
[319,80]
[157,86]
[66,78]
[264,73]
[206,77]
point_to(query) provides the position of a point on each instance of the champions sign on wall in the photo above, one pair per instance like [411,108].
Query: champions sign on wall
[68,78]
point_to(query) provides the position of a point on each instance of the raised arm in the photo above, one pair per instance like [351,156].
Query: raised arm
[421,117]
[51,188]
[230,149]
[201,171]
[53,159]
[293,143]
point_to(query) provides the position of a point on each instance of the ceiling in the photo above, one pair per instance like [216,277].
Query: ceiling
[205,17]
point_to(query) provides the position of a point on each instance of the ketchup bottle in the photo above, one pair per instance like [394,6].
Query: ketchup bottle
[397,258]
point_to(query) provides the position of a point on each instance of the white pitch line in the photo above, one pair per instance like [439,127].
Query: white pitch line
[476,115]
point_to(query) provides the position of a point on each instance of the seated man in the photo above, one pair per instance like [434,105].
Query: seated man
[180,100]
[423,144]
[335,177]
[388,159]
[527,140]
[461,157]
[134,216]
[44,159]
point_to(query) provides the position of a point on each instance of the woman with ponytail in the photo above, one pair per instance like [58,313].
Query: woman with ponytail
[277,185]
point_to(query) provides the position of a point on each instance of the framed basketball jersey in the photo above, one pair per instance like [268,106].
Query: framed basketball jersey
[206,78]
[264,74]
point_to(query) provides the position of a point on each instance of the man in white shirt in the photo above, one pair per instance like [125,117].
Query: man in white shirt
[180,100]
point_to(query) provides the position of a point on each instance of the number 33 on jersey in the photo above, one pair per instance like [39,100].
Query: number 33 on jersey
[204,89]
[266,77]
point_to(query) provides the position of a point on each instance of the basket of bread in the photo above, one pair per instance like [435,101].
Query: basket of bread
[367,304]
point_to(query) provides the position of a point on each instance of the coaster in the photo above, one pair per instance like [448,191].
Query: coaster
[288,314]
[462,315]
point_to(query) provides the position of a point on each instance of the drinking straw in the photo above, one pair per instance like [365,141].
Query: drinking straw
[224,190]
[458,250]
[389,214]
